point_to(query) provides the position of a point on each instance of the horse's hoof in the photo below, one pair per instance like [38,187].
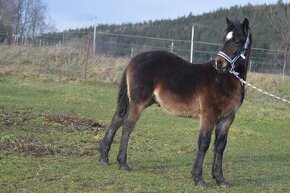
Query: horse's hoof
[221,181]
[104,161]
[201,184]
[125,167]
[224,184]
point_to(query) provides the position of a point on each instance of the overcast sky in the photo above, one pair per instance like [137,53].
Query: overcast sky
[80,13]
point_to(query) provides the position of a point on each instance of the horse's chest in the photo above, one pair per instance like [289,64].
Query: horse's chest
[230,105]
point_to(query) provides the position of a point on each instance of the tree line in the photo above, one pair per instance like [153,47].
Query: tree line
[209,26]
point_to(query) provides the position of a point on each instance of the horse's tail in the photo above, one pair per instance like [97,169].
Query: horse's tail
[123,99]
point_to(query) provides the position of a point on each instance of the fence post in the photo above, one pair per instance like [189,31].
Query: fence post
[171,47]
[250,67]
[132,52]
[87,56]
[191,45]
[63,38]
[94,40]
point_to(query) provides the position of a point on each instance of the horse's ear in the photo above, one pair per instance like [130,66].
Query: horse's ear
[245,26]
[229,22]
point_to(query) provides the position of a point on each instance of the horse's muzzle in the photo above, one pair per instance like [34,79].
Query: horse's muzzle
[220,64]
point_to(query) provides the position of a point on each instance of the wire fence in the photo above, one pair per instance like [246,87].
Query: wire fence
[124,45]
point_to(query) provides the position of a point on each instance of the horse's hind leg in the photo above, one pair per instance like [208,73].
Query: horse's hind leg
[129,124]
[105,145]
[221,132]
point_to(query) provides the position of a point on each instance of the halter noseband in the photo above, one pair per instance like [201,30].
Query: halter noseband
[241,55]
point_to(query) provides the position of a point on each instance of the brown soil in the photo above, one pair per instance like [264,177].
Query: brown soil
[71,119]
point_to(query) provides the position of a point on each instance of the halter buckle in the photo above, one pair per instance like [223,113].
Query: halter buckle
[243,56]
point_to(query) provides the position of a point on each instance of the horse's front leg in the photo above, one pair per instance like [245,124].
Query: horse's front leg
[221,132]
[207,124]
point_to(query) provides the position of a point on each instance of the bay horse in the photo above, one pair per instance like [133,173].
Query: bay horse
[208,89]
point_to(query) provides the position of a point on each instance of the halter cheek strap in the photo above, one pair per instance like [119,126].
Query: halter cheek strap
[241,55]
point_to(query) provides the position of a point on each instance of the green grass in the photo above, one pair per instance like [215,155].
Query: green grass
[41,156]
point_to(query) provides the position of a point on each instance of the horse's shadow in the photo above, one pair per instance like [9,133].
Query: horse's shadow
[265,179]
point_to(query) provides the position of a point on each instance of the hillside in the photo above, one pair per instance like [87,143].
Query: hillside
[208,27]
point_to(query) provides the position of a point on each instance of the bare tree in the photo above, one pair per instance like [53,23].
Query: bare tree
[29,17]
[23,15]
[6,20]
[37,17]
[279,17]
[18,15]
[7,12]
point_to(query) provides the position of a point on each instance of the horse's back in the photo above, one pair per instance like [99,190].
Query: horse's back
[164,65]
[161,67]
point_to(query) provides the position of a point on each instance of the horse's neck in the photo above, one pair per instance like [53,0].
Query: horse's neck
[245,67]
[244,71]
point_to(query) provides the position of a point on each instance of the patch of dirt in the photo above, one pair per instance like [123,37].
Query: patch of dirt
[10,143]
[72,120]
[77,151]
[8,118]
[32,146]
[29,146]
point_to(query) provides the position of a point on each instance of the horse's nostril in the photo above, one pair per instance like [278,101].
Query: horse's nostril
[219,63]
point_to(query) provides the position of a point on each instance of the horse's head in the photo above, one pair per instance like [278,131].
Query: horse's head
[237,42]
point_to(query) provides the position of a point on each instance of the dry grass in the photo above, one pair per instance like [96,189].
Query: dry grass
[270,83]
[69,62]
[59,62]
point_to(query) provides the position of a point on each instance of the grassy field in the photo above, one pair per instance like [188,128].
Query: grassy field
[49,142]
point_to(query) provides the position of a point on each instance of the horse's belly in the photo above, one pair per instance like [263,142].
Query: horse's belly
[180,110]
[177,105]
